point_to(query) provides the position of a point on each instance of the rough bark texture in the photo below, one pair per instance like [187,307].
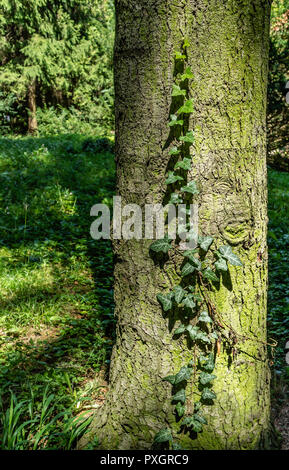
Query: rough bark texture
[32,120]
[228,55]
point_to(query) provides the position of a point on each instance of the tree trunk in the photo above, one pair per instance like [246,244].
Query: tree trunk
[228,55]
[32,120]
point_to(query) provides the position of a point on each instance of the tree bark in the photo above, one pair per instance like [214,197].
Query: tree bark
[32,120]
[229,56]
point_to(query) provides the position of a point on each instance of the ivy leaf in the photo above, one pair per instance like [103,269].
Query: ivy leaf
[201,418]
[193,332]
[186,44]
[180,330]
[202,336]
[172,178]
[177,91]
[187,108]
[214,335]
[174,151]
[208,394]
[185,164]
[221,265]
[226,252]
[207,363]
[165,302]
[170,378]
[205,243]
[183,374]
[188,74]
[164,435]
[191,188]
[204,317]
[180,409]
[189,301]
[179,56]
[180,396]
[175,199]
[179,293]
[188,138]
[197,406]
[208,273]
[187,269]
[175,121]
[206,378]
[191,422]
[162,245]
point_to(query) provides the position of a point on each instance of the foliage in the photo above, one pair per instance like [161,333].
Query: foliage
[278,109]
[67,48]
[278,240]
[56,303]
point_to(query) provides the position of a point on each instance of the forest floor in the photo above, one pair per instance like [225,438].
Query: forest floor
[56,303]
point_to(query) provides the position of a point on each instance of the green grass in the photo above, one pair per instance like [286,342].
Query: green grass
[56,306]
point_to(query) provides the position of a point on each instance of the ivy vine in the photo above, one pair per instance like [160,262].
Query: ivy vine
[200,323]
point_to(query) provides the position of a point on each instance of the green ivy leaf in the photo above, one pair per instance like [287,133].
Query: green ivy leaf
[209,274]
[165,302]
[174,151]
[163,245]
[207,363]
[179,293]
[193,332]
[180,409]
[191,422]
[208,394]
[188,138]
[191,188]
[206,378]
[205,243]
[177,91]
[201,418]
[204,317]
[187,108]
[187,75]
[175,199]
[183,374]
[164,435]
[170,378]
[179,56]
[175,121]
[187,269]
[226,252]
[172,178]
[189,301]
[197,406]
[185,164]
[180,396]
[202,336]
[180,330]
[186,44]
[221,265]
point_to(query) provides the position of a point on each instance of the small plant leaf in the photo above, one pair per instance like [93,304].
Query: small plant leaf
[172,178]
[208,394]
[189,301]
[165,302]
[188,138]
[162,245]
[177,91]
[180,409]
[164,435]
[205,243]
[187,108]
[188,269]
[180,396]
[183,374]
[174,151]
[209,274]
[204,317]
[185,164]
[179,293]
[226,252]
[191,188]
[221,265]
[206,378]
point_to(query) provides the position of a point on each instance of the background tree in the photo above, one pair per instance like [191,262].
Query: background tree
[56,54]
[278,109]
[229,57]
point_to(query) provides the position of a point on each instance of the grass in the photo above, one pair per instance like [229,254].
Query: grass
[56,305]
